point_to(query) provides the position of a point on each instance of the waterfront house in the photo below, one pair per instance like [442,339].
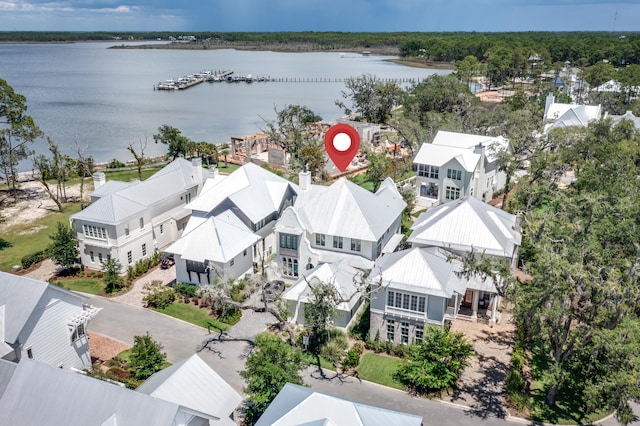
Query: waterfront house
[339,223]
[230,232]
[299,405]
[43,322]
[345,280]
[455,165]
[415,288]
[132,221]
[191,383]
[34,393]
[469,225]
[560,115]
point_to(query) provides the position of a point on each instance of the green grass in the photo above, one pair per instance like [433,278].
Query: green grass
[84,285]
[193,315]
[379,369]
[24,239]
[230,167]
[313,359]
[129,175]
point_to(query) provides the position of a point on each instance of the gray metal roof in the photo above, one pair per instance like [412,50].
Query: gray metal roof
[112,186]
[192,383]
[297,405]
[420,270]
[466,224]
[41,394]
[348,210]
[22,296]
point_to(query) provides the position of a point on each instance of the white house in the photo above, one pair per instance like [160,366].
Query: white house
[299,405]
[469,225]
[559,115]
[34,393]
[191,383]
[230,232]
[131,221]
[43,322]
[455,165]
[626,116]
[342,222]
[343,278]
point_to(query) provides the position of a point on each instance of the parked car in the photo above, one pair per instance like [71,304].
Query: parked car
[167,261]
[272,290]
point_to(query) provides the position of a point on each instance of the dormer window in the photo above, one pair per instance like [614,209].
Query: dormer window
[142,223]
[454,174]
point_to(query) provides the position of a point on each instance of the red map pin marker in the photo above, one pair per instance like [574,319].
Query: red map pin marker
[342,142]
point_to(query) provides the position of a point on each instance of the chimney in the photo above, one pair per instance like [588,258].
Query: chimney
[213,172]
[196,162]
[549,101]
[99,179]
[304,179]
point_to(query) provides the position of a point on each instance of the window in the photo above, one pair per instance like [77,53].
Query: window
[142,223]
[404,333]
[95,232]
[405,301]
[414,303]
[126,229]
[161,228]
[337,242]
[30,353]
[288,241]
[260,224]
[187,198]
[435,171]
[129,257]
[421,301]
[100,257]
[144,249]
[320,239]
[245,252]
[232,262]
[452,193]
[419,337]
[255,250]
[91,256]
[356,245]
[390,296]
[290,266]
[77,332]
[454,174]
[391,326]
[428,171]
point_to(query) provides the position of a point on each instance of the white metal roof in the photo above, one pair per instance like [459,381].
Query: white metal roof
[298,405]
[439,155]
[216,238]
[192,383]
[348,210]
[467,223]
[343,277]
[469,142]
[255,191]
[420,270]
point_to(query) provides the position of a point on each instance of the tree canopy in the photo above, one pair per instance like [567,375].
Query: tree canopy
[63,249]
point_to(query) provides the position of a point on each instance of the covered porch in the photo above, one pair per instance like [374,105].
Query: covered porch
[477,305]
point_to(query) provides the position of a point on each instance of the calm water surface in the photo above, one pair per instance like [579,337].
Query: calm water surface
[104,98]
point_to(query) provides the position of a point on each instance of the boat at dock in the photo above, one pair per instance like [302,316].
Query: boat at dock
[191,80]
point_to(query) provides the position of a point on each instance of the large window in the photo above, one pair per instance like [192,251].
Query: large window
[454,174]
[356,245]
[406,301]
[77,332]
[95,232]
[391,327]
[320,239]
[419,337]
[142,223]
[404,333]
[337,242]
[425,170]
[288,241]
[289,266]
[452,193]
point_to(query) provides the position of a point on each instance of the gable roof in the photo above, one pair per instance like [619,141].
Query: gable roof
[466,224]
[254,190]
[563,115]
[420,270]
[627,116]
[297,405]
[132,200]
[23,297]
[340,275]
[348,210]
[216,238]
[38,393]
[111,187]
[192,383]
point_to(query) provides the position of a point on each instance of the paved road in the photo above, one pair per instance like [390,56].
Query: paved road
[180,340]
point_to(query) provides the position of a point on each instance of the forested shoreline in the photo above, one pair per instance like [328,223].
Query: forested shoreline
[579,48]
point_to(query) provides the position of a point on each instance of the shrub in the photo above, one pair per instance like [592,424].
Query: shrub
[231,316]
[158,295]
[360,328]
[31,259]
[186,289]
[352,359]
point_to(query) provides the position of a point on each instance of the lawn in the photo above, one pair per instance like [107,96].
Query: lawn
[229,169]
[21,240]
[83,285]
[130,175]
[379,369]
[193,315]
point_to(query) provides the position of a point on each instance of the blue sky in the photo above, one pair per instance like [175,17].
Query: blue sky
[320,15]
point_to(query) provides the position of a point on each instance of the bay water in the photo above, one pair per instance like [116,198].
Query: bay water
[105,99]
